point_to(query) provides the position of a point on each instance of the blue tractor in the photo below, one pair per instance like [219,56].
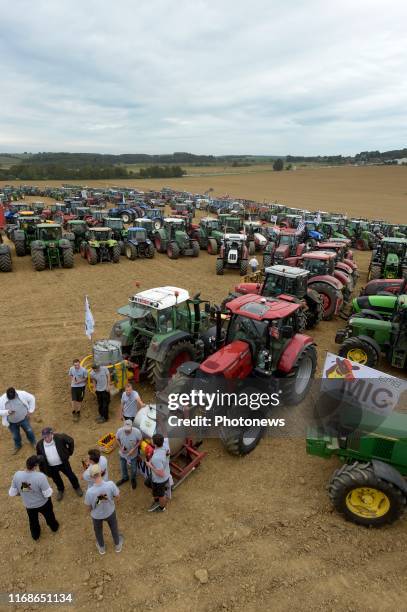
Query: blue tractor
[137,244]
[156,215]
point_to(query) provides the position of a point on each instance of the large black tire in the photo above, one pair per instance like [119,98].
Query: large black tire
[158,244]
[150,251]
[122,247]
[241,440]
[212,246]
[374,272]
[252,247]
[38,260]
[92,256]
[315,312]
[267,260]
[67,258]
[243,267]
[173,250]
[20,248]
[126,217]
[329,296]
[219,267]
[296,384]
[160,372]
[116,253]
[195,248]
[5,262]
[301,320]
[131,252]
[359,351]
[363,498]
[404,272]
[157,224]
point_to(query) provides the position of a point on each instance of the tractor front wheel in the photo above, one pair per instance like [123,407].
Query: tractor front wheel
[267,260]
[296,384]
[212,246]
[20,248]
[92,256]
[195,248]
[67,258]
[173,250]
[150,251]
[116,253]
[219,267]
[242,440]
[329,296]
[5,262]
[363,498]
[243,267]
[374,273]
[131,252]
[356,349]
[122,247]
[38,259]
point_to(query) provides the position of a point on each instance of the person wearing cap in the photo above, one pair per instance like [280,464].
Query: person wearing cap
[15,409]
[130,403]
[128,438]
[55,450]
[79,378]
[33,488]
[100,497]
[100,377]
[95,458]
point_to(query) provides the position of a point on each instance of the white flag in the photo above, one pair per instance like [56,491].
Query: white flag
[84,194]
[89,320]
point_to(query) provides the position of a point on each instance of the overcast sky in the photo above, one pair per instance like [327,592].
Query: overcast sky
[205,76]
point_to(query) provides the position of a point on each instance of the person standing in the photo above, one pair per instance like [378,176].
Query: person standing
[100,377]
[159,465]
[128,438]
[130,403]
[95,458]
[15,409]
[35,492]
[55,450]
[79,377]
[254,264]
[100,497]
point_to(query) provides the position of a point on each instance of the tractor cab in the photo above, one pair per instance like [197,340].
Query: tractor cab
[290,244]
[99,234]
[116,224]
[210,224]
[137,234]
[230,223]
[81,211]
[28,223]
[174,226]
[48,232]
[319,263]
[148,225]
[288,280]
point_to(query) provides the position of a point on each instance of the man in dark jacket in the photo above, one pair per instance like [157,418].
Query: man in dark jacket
[55,450]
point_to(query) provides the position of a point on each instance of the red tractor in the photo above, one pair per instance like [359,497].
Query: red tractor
[344,256]
[262,350]
[290,246]
[385,286]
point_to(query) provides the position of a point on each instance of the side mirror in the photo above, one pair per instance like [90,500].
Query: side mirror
[207,308]
[287,331]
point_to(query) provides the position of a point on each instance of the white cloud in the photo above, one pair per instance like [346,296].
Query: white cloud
[207,77]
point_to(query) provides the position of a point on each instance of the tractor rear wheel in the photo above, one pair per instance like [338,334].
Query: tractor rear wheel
[92,256]
[131,252]
[20,248]
[38,260]
[329,296]
[296,384]
[363,498]
[126,218]
[158,245]
[195,248]
[219,267]
[116,253]
[267,260]
[212,246]
[160,372]
[252,247]
[242,440]
[243,267]
[157,224]
[150,251]
[356,349]
[67,258]
[374,272]
[173,250]
[361,245]
[122,247]
[5,262]
[315,312]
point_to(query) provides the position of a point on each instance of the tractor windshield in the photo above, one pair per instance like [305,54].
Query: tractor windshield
[285,239]
[138,234]
[50,233]
[116,224]
[242,328]
[316,266]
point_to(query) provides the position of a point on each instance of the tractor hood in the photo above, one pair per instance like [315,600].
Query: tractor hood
[259,239]
[245,288]
[231,361]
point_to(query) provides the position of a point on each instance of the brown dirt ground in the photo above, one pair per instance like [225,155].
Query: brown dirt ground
[262,526]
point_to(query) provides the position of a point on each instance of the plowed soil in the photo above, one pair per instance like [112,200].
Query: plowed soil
[262,526]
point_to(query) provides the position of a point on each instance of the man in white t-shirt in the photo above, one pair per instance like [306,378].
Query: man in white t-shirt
[79,378]
[130,403]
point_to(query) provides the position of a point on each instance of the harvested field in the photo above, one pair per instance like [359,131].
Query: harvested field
[262,526]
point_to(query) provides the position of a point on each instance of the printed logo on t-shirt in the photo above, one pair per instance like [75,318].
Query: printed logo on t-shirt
[103,473]
[101,499]
[25,486]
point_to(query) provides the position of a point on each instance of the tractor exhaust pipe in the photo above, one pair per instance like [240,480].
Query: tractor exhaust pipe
[218,319]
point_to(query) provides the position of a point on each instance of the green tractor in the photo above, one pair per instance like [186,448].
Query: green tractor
[50,248]
[365,339]
[358,230]
[76,232]
[209,234]
[370,488]
[389,259]
[119,232]
[163,328]
[231,224]
[24,233]
[173,239]
[99,246]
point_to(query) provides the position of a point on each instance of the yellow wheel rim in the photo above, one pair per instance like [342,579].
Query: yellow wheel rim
[358,355]
[366,502]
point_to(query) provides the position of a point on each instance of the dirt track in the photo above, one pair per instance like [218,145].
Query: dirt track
[261,526]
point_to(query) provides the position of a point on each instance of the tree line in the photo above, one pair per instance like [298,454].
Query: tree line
[34,172]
